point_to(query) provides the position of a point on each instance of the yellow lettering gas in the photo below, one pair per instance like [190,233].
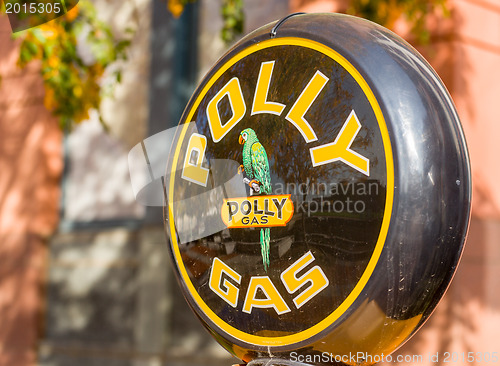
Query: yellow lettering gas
[315,277]
[272,297]
[221,285]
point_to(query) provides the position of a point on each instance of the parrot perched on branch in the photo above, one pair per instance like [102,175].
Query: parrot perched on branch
[256,168]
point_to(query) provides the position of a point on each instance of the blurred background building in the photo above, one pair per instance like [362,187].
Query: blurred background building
[84,272]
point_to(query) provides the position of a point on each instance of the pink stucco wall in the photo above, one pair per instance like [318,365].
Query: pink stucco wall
[30,168]
[476,90]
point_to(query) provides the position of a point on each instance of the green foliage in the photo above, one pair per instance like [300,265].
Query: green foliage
[231,11]
[387,12]
[74,83]
[234,19]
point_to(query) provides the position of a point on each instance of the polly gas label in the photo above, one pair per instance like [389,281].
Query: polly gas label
[257,211]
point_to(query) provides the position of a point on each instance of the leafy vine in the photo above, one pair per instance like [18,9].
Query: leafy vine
[75,52]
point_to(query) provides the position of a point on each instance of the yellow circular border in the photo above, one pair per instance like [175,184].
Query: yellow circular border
[322,325]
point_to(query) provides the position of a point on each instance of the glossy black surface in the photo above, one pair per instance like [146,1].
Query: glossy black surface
[430,210]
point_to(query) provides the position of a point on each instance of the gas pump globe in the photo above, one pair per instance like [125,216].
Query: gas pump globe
[317,193]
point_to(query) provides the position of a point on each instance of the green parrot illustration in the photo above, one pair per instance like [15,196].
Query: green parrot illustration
[256,168]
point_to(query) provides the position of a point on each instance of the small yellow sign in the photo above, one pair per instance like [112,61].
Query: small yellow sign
[257,211]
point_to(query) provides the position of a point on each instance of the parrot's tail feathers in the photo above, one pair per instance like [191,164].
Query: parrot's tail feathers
[265,239]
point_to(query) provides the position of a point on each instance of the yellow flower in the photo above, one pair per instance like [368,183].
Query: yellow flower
[72,14]
[49,30]
[53,61]
[77,91]
[49,101]
[175,7]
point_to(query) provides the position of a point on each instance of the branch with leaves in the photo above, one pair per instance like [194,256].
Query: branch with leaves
[388,12]
[75,51]
[232,15]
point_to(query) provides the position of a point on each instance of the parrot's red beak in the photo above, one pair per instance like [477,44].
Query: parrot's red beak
[241,140]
